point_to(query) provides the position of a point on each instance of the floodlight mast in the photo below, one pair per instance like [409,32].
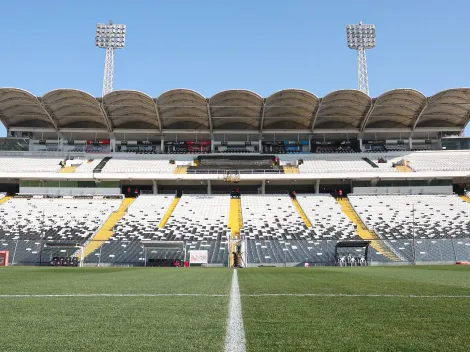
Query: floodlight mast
[361,37]
[110,36]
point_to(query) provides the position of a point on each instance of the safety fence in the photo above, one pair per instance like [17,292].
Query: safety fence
[250,253]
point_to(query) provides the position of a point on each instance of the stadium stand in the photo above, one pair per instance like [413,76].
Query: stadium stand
[200,221]
[23,221]
[247,163]
[432,161]
[138,165]
[327,218]
[342,163]
[30,164]
[436,217]
[273,229]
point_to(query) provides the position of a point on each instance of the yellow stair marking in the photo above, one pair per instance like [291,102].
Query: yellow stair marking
[404,168]
[106,231]
[465,198]
[291,169]
[169,212]
[181,170]
[302,213]
[68,169]
[364,232]
[5,199]
[235,219]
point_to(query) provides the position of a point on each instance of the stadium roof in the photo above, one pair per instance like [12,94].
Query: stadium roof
[289,109]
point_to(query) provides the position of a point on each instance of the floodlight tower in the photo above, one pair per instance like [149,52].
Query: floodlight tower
[110,36]
[361,37]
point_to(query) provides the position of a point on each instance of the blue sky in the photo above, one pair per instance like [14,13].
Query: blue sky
[209,46]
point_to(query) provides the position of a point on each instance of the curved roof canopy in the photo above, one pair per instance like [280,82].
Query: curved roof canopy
[74,108]
[185,109]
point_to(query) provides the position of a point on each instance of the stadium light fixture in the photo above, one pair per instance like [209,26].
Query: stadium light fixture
[110,37]
[361,37]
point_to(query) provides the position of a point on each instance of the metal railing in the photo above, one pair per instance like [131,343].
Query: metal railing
[254,252]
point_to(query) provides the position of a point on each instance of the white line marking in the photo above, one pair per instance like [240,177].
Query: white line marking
[351,295]
[113,295]
[235,338]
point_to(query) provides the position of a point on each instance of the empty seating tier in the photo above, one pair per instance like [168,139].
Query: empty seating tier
[118,165]
[30,164]
[23,221]
[344,163]
[327,218]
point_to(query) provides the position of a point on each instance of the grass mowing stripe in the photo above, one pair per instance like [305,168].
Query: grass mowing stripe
[235,339]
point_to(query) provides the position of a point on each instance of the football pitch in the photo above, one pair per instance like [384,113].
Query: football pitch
[423,308]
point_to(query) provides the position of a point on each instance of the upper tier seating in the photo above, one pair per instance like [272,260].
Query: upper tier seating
[138,165]
[29,164]
[436,216]
[88,166]
[439,161]
[342,163]
[327,217]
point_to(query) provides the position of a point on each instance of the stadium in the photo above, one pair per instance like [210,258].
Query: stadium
[235,222]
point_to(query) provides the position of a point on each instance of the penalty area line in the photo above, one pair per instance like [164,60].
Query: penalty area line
[235,338]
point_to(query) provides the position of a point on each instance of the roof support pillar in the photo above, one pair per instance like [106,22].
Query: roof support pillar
[209,115]
[261,125]
[366,118]
[314,120]
[160,127]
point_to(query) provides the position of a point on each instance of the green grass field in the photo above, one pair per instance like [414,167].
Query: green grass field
[293,309]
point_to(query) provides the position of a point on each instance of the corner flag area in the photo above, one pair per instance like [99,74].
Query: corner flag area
[217,309]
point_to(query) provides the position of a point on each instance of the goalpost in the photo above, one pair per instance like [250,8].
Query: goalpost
[74,253]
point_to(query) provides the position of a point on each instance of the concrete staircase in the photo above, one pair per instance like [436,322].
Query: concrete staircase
[404,168]
[5,199]
[302,213]
[169,212]
[465,198]
[68,169]
[235,219]
[181,170]
[291,169]
[364,232]
[106,231]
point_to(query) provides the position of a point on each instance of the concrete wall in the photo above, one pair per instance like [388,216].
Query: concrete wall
[70,191]
[404,190]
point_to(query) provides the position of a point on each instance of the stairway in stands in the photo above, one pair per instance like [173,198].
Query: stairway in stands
[106,230]
[288,169]
[370,162]
[463,197]
[235,219]
[182,169]
[5,199]
[68,169]
[101,165]
[404,168]
[302,213]
[364,232]
[169,212]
